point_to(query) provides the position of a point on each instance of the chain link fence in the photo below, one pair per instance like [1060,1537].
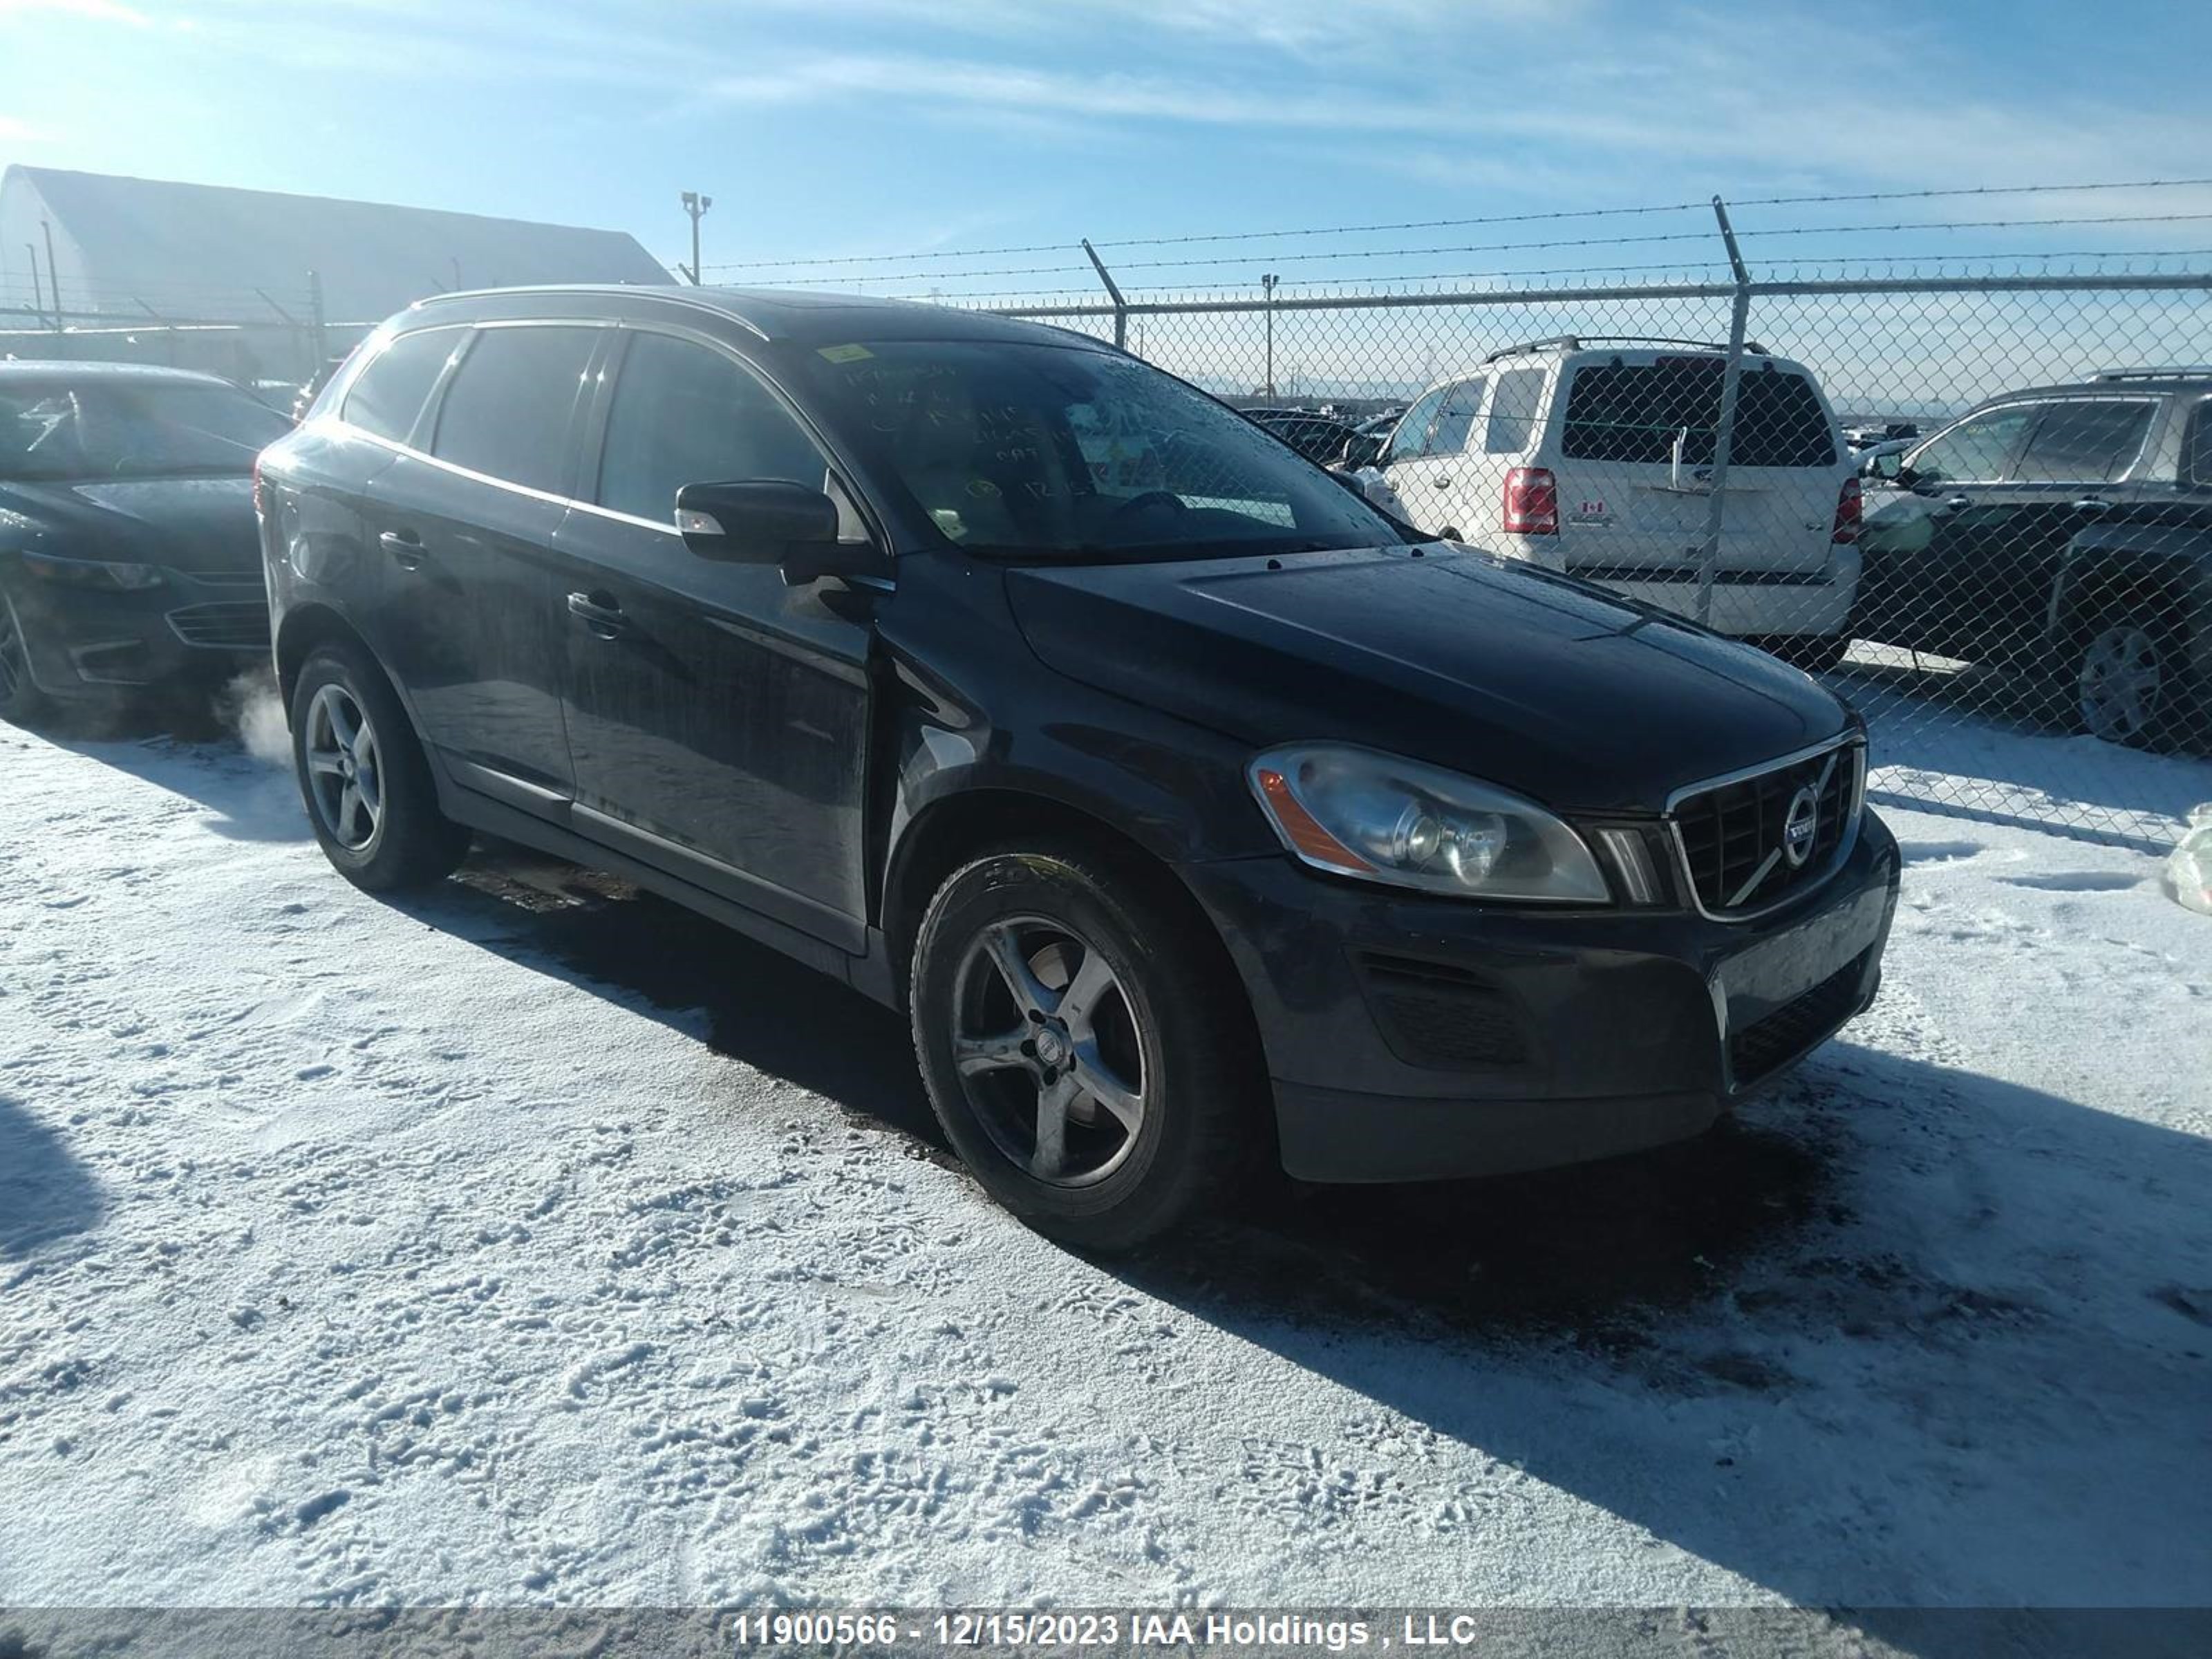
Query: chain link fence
[273,341]
[1978,507]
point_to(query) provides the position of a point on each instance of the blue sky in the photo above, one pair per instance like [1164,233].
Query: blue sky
[827,127]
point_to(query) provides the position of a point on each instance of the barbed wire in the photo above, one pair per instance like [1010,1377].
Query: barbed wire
[1450,224]
[1704,236]
[1290,293]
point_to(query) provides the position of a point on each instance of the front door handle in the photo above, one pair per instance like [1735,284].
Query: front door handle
[2091,506]
[404,546]
[1956,502]
[1443,482]
[598,612]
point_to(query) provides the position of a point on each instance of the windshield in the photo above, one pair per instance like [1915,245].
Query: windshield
[1044,452]
[120,430]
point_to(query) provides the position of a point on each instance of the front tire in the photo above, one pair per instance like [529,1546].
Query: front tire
[2128,681]
[1086,1044]
[364,777]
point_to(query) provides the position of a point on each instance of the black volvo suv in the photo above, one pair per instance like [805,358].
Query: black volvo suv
[1200,819]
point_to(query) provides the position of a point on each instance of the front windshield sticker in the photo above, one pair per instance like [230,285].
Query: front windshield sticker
[845,354]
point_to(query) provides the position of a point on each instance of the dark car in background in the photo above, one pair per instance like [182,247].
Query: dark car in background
[2063,532]
[1322,439]
[128,556]
[1201,821]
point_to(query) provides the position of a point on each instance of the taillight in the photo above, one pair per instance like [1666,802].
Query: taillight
[1532,501]
[1851,508]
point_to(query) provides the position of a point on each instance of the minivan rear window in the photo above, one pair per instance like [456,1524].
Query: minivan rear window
[1635,413]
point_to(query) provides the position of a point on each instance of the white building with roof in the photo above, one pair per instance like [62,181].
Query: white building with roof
[126,247]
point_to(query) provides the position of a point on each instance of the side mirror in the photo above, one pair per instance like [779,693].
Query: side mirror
[769,522]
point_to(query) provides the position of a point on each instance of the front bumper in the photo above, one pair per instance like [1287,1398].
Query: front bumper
[86,641]
[1411,1038]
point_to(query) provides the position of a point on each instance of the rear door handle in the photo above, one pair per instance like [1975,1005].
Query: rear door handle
[1957,500]
[1443,482]
[2091,506]
[404,545]
[598,613]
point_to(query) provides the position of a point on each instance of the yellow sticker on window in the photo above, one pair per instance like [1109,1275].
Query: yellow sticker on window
[845,354]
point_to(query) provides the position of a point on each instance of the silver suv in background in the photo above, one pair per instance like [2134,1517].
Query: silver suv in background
[1596,460]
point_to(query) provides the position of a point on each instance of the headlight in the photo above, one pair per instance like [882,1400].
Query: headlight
[92,573]
[1356,812]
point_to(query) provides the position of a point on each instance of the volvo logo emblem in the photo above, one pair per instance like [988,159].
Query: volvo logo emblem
[1801,826]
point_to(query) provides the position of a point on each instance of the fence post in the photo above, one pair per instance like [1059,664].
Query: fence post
[1709,551]
[38,292]
[1113,293]
[315,325]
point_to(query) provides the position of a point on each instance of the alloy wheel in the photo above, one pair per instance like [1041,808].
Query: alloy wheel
[2118,689]
[1049,1050]
[344,770]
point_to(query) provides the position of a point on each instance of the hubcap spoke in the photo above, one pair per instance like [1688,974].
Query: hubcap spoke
[325,764]
[1095,1080]
[343,726]
[1005,953]
[1050,1159]
[1079,1002]
[990,1054]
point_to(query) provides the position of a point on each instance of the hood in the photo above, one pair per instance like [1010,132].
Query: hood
[185,524]
[1537,683]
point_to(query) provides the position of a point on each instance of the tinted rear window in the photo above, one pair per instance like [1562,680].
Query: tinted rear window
[1634,412]
[2084,442]
[390,393]
[506,412]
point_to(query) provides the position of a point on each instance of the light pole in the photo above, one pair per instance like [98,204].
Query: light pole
[696,206]
[1267,286]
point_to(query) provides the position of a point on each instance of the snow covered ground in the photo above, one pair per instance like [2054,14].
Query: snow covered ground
[536,1242]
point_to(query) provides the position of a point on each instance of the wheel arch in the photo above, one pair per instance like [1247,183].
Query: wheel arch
[304,628]
[2169,569]
[954,826]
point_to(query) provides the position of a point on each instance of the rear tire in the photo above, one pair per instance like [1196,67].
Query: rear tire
[1086,1044]
[2127,681]
[364,778]
[21,702]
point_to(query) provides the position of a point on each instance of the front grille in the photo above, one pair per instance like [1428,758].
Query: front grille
[1732,836]
[1769,1043]
[1441,1017]
[233,625]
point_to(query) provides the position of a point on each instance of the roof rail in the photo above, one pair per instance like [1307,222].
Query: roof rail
[2166,372]
[1577,342]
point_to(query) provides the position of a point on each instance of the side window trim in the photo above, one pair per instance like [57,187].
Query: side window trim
[607,372]
[2010,462]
